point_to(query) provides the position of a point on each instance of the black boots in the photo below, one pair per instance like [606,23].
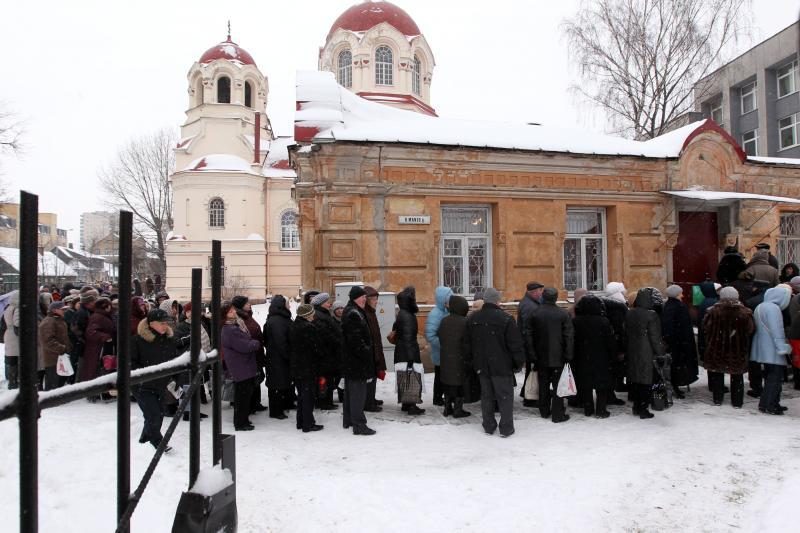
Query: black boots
[12,375]
[448,406]
[459,411]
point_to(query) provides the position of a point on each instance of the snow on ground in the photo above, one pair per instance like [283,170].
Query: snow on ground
[695,467]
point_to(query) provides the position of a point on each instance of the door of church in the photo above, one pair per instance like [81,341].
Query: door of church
[695,256]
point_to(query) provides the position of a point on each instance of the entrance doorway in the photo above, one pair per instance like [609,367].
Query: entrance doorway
[695,257]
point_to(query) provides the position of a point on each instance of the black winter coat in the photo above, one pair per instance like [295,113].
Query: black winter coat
[150,348]
[493,343]
[451,333]
[616,312]
[527,307]
[643,327]
[595,345]
[377,338]
[551,335]
[329,334]
[276,335]
[676,328]
[357,357]
[406,350]
[304,349]
[730,266]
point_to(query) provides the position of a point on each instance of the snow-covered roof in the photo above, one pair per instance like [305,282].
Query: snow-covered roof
[727,196]
[775,160]
[219,163]
[48,264]
[276,164]
[328,112]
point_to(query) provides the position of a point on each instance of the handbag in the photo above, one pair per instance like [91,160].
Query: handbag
[409,386]
[392,337]
[566,383]
[531,390]
[64,366]
[109,363]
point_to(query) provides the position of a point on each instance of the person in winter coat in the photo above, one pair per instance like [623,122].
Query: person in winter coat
[728,327]
[643,329]
[54,341]
[183,338]
[240,358]
[676,327]
[616,309]
[305,354]
[773,261]
[710,298]
[149,286]
[245,311]
[370,310]
[595,352]
[329,332]
[762,270]
[358,362]
[494,347]
[527,307]
[451,339]
[552,338]
[794,328]
[137,287]
[788,271]
[153,344]
[101,335]
[11,340]
[138,312]
[70,314]
[279,379]
[769,347]
[407,348]
[442,295]
[730,266]
[337,310]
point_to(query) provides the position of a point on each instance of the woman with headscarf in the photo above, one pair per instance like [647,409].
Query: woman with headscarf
[453,366]
[407,348]
[240,360]
[643,329]
[138,313]
[245,311]
[279,379]
[676,327]
[770,347]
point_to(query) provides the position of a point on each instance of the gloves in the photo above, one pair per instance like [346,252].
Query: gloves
[382,375]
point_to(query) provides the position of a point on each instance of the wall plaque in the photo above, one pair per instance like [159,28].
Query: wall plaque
[415,219]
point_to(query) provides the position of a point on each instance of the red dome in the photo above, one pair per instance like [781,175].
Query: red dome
[227,50]
[364,16]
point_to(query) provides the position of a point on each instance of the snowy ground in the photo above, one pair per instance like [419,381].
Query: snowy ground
[695,467]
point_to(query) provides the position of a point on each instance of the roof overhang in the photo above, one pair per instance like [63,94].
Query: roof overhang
[722,198]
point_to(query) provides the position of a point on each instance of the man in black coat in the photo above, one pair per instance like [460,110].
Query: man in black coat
[730,266]
[552,338]
[494,346]
[330,349]
[529,304]
[154,344]
[303,359]
[358,362]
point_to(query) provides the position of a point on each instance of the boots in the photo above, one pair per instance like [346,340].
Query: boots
[448,406]
[459,411]
[12,375]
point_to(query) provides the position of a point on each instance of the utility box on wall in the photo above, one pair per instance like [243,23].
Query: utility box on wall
[386,312]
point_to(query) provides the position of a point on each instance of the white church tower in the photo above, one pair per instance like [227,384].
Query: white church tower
[232,183]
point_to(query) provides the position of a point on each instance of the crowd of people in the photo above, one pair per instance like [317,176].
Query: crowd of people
[647,344]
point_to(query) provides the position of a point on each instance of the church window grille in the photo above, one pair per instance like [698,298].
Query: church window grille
[345,68]
[216,213]
[290,235]
[384,66]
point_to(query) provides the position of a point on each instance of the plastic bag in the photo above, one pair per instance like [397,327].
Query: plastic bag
[410,382]
[566,383]
[64,366]
[697,295]
[531,391]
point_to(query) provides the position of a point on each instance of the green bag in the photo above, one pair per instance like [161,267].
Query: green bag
[697,295]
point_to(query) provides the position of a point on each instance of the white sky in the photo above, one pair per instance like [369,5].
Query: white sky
[88,75]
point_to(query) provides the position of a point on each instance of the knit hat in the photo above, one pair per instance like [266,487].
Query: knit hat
[616,291]
[728,293]
[239,301]
[320,299]
[305,310]
[357,292]
[89,296]
[795,283]
[491,296]
[157,315]
[370,291]
[533,285]
[55,306]
[674,291]
[336,305]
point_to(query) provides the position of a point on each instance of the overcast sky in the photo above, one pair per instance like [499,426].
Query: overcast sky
[87,76]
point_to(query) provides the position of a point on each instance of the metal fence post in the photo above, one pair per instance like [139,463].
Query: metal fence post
[28,397]
[194,349]
[124,367]
[216,386]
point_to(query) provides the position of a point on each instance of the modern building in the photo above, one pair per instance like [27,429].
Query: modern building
[50,235]
[755,97]
[95,226]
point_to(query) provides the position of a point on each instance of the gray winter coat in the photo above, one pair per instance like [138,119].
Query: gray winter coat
[762,270]
[11,315]
[643,328]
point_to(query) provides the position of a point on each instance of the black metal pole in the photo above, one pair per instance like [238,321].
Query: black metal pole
[124,367]
[28,398]
[216,385]
[194,349]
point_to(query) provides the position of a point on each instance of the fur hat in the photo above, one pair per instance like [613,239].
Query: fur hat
[320,298]
[491,296]
[89,296]
[674,291]
[239,301]
[616,291]
[305,310]
[371,291]
[357,292]
[157,315]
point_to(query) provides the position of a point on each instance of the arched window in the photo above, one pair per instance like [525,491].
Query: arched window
[383,66]
[248,94]
[224,90]
[417,76]
[290,236]
[345,68]
[216,213]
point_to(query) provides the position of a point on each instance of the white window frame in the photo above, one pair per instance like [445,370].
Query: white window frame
[787,240]
[791,74]
[384,70]
[753,140]
[465,246]
[290,237]
[416,77]
[603,236]
[216,215]
[344,71]
[746,91]
[208,271]
[793,127]
[714,107]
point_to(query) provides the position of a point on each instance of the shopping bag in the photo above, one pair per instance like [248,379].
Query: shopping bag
[531,391]
[64,366]
[409,385]
[227,391]
[566,383]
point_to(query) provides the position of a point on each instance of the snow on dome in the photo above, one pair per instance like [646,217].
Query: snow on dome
[219,163]
[361,17]
[227,50]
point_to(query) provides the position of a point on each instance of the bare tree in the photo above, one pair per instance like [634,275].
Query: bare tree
[639,59]
[10,141]
[138,181]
